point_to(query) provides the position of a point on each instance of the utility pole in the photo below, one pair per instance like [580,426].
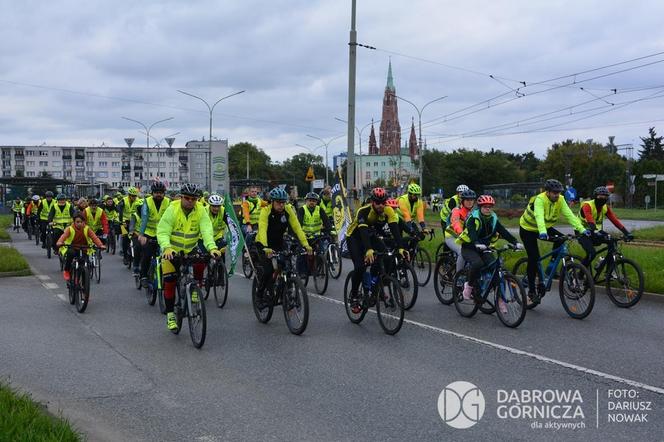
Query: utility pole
[352,57]
[247,163]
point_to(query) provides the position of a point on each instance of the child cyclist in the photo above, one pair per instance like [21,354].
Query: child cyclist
[79,235]
[456,223]
[481,228]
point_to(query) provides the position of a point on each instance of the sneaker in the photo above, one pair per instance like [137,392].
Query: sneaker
[171,322]
[66,275]
[502,306]
[356,308]
[533,298]
[194,297]
[467,291]
[144,282]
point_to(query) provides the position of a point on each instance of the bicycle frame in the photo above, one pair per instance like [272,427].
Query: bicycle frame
[561,254]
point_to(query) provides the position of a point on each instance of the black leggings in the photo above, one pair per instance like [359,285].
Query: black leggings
[357,252]
[529,240]
[589,243]
[477,260]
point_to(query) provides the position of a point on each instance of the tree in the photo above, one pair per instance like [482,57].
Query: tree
[652,148]
[295,169]
[260,164]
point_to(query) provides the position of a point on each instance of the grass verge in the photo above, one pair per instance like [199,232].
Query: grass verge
[650,234]
[21,419]
[640,214]
[6,222]
[12,261]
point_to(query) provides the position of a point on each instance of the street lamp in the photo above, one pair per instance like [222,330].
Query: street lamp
[211,109]
[419,120]
[158,145]
[312,152]
[147,138]
[326,144]
[359,136]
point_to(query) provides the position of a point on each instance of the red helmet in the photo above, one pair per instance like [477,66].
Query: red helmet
[393,203]
[378,195]
[484,200]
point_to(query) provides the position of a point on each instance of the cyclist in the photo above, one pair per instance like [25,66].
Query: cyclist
[482,227]
[204,199]
[81,204]
[43,211]
[537,222]
[153,209]
[592,215]
[126,208]
[314,221]
[133,234]
[77,234]
[60,216]
[251,209]
[17,209]
[362,240]
[96,219]
[411,206]
[111,214]
[179,229]
[450,203]
[30,208]
[326,201]
[273,222]
[457,222]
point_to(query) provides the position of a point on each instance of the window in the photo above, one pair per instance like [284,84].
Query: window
[199,166]
[30,153]
[115,164]
[375,174]
[56,163]
[367,175]
[43,163]
[55,153]
[43,153]
[57,174]
[30,173]
[89,164]
[103,164]
[80,163]
[173,175]
[116,174]
[199,175]
[30,163]
[383,164]
[162,175]
[375,163]
[368,164]
[102,174]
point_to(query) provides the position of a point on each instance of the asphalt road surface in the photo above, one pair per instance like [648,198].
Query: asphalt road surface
[118,374]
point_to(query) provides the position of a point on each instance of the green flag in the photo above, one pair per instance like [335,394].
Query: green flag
[234,238]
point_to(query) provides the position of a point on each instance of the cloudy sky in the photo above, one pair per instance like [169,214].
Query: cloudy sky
[69,70]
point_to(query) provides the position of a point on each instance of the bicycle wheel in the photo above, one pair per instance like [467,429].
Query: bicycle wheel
[151,288]
[162,302]
[263,307]
[98,266]
[443,278]
[389,305]
[320,275]
[422,266]
[28,230]
[355,318]
[48,245]
[519,271]
[36,234]
[111,243]
[196,318]
[407,278]
[83,291]
[207,281]
[72,288]
[440,250]
[334,262]
[220,285]
[510,300]
[577,290]
[466,307]
[624,284]
[246,266]
[295,303]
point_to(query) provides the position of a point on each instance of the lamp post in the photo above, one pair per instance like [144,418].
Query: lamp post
[419,120]
[208,180]
[359,136]
[147,138]
[326,144]
[312,152]
[158,145]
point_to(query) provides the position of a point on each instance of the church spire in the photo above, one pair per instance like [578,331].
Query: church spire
[373,147]
[412,142]
[390,79]
[390,129]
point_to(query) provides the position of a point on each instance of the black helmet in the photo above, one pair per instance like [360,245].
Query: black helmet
[468,195]
[48,194]
[190,189]
[158,186]
[601,190]
[553,186]
[312,196]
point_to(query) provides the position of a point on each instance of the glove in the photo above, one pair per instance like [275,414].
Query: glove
[587,232]
[268,252]
[480,247]
[518,246]
[168,254]
[222,250]
[369,256]
[309,250]
[628,235]
[543,236]
[404,253]
[216,253]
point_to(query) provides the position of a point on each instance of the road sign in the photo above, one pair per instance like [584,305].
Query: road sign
[655,177]
[310,174]
[319,184]
[647,199]
[632,189]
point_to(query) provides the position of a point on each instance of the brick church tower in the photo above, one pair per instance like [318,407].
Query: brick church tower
[373,146]
[390,129]
[412,142]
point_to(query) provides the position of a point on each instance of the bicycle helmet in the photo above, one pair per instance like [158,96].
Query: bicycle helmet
[93,201]
[48,194]
[132,191]
[158,186]
[378,195]
[118,194]
[415,189]
[206,194]
[485,200]
[312,196]
[468,195]
[61,196]
[216,200]
[601,190]
[35,198]
[190,189]
[462,188]
[553,186]
[278,194]
[393,203]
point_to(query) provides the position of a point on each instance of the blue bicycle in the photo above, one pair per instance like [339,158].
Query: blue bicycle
[576,285]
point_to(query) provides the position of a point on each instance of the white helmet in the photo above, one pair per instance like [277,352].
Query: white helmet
[462,188]
[216,200]
[35,197]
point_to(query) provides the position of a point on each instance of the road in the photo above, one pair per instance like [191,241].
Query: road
[118,374]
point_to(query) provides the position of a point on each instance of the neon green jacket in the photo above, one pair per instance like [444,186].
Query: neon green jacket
[542,213]
[181,232]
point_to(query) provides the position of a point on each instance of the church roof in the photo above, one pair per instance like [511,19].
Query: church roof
[390,79]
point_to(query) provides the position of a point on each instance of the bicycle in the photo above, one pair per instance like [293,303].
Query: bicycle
[443,275]
[187,286]
[153,288]
[95,263]
[623,277]
[285,288]
[49,240]
[576,285]
[379,289]
[333,259]
[30,228]
[404,273]
[317,264]
[420,258]
[247,268]
[79,282]
[17,221]
[112,242]
[509,297]
[217,282]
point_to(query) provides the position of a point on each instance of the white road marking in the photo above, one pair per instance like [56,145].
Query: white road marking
[50,285]
[62,297]
[43,277]
[516,351]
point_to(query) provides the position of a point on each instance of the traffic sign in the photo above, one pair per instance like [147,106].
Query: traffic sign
[319,184]
[310,175]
